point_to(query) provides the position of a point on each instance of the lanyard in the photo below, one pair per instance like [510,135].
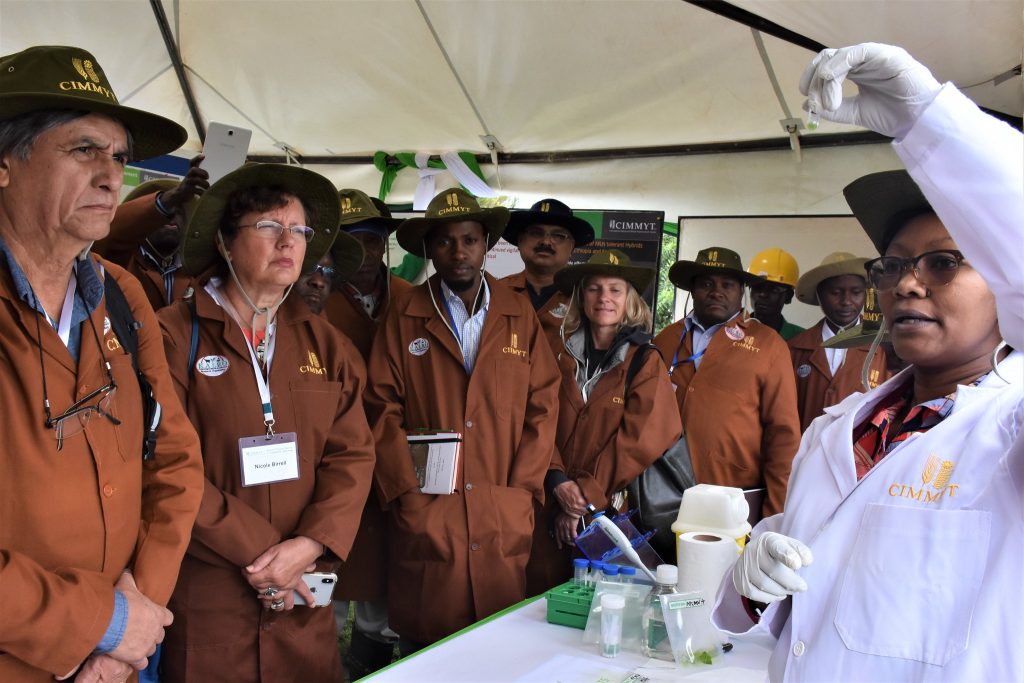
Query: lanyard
[455,330]
[262,382]
[689,359]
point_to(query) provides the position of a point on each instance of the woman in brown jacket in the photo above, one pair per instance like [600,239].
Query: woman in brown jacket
[275,394]
[607,433]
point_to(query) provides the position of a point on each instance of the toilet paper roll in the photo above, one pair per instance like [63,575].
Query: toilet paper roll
[704,558]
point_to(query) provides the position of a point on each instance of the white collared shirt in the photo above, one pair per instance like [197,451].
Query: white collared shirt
[836,357]
[702,337]
[468,327]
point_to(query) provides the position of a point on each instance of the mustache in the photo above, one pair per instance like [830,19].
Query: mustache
[543,249]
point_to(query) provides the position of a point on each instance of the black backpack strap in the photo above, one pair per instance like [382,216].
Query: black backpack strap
[126,327]
[193,349]
[122,320]
[634,366]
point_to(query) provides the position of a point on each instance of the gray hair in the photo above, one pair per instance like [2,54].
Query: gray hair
[19,134]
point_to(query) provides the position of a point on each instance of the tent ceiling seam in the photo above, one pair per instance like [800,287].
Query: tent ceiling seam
[149,80]
[232,105]
[451,66]
[759,42]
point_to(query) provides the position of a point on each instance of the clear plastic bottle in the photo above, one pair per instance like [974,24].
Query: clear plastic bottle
[610,573]
[654,636]
[627,574]
[579,571]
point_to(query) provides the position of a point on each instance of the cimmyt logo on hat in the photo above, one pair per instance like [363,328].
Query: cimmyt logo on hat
[85,69]
[613,259]
[545,207]
[452,199]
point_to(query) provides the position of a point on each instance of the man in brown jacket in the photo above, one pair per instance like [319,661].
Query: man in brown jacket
[359,303]
[824,377]
[357,306]
[146,231]
[460,353]
[91,534]
[733,383]
[546,234]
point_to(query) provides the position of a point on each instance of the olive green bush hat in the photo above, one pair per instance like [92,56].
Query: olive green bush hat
[883,203]
[716,260]
[199,243]
[358,207]
[447,207]
[60,77]
[864,333]
[607,263]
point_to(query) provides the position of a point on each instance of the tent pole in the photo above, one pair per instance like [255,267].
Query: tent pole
[179,68]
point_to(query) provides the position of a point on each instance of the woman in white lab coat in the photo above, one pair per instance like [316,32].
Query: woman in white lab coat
[902,557]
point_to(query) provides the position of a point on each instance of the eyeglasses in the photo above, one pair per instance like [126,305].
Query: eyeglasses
[326,272]
[556,236]
[99,402]
[272,230]
[73,420]
[932,269]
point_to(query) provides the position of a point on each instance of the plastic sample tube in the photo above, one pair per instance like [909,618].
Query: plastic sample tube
[579,571]
[612,607]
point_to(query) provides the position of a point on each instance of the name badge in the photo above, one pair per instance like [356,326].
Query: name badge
[269,460]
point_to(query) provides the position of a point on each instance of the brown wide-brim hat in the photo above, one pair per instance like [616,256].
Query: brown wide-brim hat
[606,263]
[61,77]
[835,264]
[448,207]
[358,209]
[199,242]
[549,212]
[714,260]
[883,203]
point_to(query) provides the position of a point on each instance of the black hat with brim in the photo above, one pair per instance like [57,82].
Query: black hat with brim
[199,246]
[884,202]
[451,206]
[70,78]
[714,261]
[549,212]
[605,263]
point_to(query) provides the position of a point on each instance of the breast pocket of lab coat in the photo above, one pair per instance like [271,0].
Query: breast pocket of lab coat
[913,578]
[315,404]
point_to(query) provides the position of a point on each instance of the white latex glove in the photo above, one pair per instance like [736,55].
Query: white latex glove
[766,571]
[894,87]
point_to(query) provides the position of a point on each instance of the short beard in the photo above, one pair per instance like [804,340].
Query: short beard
[459,287]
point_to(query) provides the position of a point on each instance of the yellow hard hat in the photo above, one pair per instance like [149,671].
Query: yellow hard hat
[775,265]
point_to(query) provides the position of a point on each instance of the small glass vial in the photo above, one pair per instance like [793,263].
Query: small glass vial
[579,571]
[627,574]
[610,573]
[612,607]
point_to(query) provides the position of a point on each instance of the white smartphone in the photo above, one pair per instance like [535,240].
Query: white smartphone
[225,149]
[321,585]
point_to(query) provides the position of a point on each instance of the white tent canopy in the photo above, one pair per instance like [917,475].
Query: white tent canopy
[343,78]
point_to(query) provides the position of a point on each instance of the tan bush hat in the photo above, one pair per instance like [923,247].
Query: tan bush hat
[835,264]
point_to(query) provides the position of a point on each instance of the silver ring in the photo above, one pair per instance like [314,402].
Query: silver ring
[277,605]
[270,592]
